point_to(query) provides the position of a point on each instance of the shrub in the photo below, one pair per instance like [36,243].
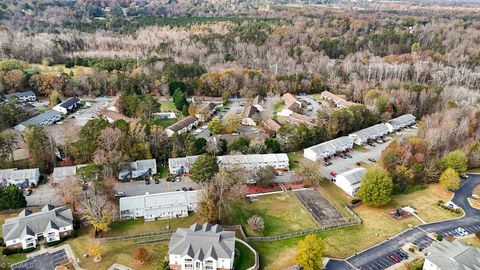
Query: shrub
[54,243]
[1,241]
[458,211]
[439,237]
[440,202]
[256,223]
[477,234]
[355,201]
[289,188]
[411,249]
[28,250]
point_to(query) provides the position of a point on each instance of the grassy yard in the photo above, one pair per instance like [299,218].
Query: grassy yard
[293,160]
[277,108]
[471,241]
[118,252]
[167,106]
[281,213]
[134,226]
[245,259]
[377,225]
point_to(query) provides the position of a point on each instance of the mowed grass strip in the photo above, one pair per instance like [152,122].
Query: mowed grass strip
[281,213]
[136,226]
[245,259]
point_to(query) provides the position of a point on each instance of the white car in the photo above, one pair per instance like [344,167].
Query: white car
[461,231]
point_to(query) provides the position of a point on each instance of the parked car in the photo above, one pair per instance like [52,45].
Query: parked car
[358,163]
[372,160]
[279,173]
[394,258]
[190,188]
[371,144]
[461,231]
[464,176]
[27,192]
[147,181]
[157,181]
[178,179]
[332,173]
[120,194]
[184,189]
[348,155]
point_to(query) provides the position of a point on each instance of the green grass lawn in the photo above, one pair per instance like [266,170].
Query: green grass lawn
[163,122]
[277,108]
[281,213]
[377,225]
[293,160]
[359,148]
[167,106]
[134,226]
[117,252]
[245,259]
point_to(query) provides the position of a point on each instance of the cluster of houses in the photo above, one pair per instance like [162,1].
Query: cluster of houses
[247,162]
[49,117]
[291,111]
[341,144]
[339,102]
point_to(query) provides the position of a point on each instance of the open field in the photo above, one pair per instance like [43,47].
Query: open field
[134,226]
[117,252]
[245,259]
[167,106]
[376,226]
[281,213]
[58,69]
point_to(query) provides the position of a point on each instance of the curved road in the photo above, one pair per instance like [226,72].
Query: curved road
[378,252]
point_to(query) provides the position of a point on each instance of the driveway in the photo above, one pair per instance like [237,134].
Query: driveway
[470,221]
[315,106]
[43,194]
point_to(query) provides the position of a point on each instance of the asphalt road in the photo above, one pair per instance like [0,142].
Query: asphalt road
[136,188]
[373,254]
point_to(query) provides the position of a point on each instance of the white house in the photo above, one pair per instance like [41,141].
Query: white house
[350,181]
[362,136]
[159,205]
[46,118]
[68,105]
[248,162]
[400,122]
[137,168]
[19,178]
[248,116]
[27,96]
[28,228]
[182,126]
[202,247]
[445,255]
[165,115]
[328,148]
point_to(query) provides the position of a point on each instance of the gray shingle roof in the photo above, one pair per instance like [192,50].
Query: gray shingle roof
[32,223]
[19,94]
[185,122]
[37,120]
[331,146]
[200,242]
[354,176]
[208,108]
[401,120]
[453,255]
[366,133]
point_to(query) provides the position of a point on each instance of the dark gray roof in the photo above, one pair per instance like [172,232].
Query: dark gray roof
[401,120]
[37,120]
[249,111]
[69,102]
[185,122]
[354,176]
[19,94]
[203,241]
[28,223]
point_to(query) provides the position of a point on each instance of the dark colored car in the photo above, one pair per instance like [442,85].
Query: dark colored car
[147,181]
[27,192]
[372,160]
[184,189]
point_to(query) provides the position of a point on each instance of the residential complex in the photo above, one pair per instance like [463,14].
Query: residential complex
[137,169]
[19,178]
[371,133]
[159,205]
[27,96]
[249,113]
[328,148]
[68,105]
[202,247]
[350,180]
[400,122]
[338,101]
[248,162]
[182,126]
[28,228]
[43,119]
[61,173]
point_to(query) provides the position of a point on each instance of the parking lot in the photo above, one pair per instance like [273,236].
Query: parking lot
[42,195]
[322,211]
[44,261]
[136,188]
[385,262]
[423,242]
[453,232]
[341,165]
[313,105]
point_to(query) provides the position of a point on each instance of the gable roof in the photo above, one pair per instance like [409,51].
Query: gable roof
[401,120]
[258,100]
[374,130]
[69,102]
[272,124]
[19,94]
[29,223]
[290,99]
[300,118]
[114,116]
[330,146]
[37,120]
[202,242]
[249,111]
[354,176]
[208,108]
[185,122]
